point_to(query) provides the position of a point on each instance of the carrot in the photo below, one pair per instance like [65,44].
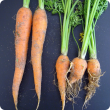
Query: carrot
[62,66]
[78,69]
[22,33]
[94,74]
[93,66]
[38,37]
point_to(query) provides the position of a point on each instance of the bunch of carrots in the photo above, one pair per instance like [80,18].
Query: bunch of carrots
[74,14]
[22,33]
[69,73]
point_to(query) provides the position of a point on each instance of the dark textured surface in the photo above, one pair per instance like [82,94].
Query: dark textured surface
[50,98]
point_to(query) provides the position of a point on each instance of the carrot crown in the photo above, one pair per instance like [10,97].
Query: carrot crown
[41,4]
[26,3]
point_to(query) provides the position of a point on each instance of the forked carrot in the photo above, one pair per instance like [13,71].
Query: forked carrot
[22,33]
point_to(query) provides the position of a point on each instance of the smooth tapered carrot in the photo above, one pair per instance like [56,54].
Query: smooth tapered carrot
[38,38]
[22,33]
[62,66]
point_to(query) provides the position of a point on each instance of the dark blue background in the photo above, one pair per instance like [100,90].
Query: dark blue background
[50,98]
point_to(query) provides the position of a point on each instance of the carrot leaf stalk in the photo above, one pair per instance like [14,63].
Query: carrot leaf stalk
[88,26]
[41,4]
[26,3]
[67,27]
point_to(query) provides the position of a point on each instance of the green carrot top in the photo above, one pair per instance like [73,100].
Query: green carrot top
[41,4]
[26,3]
[92,11]
[72,18]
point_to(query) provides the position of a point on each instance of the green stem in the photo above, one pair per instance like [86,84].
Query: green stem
[86,35]
[91,41]
[66,27]
[92,44]
[75,39]
[60,23]
[26,3]
[87,17]
[41,4]
[64,49]
[92,50]
[69,30]
[63,5]
[86,24]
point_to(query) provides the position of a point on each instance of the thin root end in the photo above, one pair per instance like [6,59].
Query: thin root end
[38,104]
[63,105]
[16,107]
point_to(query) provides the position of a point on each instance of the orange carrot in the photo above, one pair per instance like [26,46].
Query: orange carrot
[38,37]
[22,33]
[78,69]
[93,67]
[94,74]
[62,66]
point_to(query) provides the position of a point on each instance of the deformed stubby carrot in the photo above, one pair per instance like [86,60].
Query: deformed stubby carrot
[62,66]
[94,74]
[38,37]
[22,33]
[78,69]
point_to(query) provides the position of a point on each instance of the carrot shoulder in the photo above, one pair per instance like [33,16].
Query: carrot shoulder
[22,33]
[38,37]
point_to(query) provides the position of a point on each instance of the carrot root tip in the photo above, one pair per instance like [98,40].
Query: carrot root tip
[63,105]
[16,107]
[38,104]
